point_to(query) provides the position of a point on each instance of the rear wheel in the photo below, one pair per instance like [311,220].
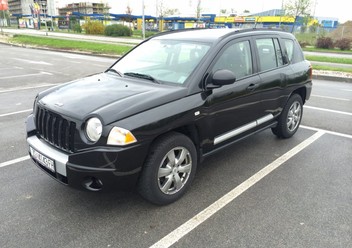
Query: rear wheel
[290,118]
[169,169]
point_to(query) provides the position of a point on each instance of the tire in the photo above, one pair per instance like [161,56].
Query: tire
[166,177]
[290,118]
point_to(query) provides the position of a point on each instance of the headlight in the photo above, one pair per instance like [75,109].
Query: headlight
[94,129]
[120,136]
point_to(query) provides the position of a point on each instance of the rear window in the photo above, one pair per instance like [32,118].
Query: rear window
[294,51]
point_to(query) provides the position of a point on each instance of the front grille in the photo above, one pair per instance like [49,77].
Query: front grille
[55,129]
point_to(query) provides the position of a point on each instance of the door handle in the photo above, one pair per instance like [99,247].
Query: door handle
[252,87]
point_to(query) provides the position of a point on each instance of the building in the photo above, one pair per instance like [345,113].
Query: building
[85,8]
[272,12]
[328,23]
[29,13]
[19,8]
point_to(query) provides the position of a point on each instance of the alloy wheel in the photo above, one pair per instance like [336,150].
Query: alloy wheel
[174,170]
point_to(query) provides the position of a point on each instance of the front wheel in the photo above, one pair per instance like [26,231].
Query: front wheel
[290,118]
[169,169]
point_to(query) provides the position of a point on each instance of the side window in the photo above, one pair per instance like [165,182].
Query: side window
[289,48]
[267,55]
[294,51]
[278,51]
[236,58]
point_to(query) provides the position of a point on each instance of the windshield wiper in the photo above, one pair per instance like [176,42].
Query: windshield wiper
[114,71]
[143,76]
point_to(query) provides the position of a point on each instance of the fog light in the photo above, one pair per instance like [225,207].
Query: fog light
[93,184]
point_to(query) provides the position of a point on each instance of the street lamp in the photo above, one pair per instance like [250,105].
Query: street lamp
[44,10]
[3,7]
[282,10]
[143,21]
[2,20]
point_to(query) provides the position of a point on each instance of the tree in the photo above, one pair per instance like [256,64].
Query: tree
[164,11]
[128,18]
[298,8]
[170,12]
[223,11]
[199,9]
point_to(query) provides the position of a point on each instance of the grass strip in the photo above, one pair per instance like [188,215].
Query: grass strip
[336,50]
[328,68]
[85,46]
[329,59]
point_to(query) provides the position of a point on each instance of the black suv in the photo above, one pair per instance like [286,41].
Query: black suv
[149,119]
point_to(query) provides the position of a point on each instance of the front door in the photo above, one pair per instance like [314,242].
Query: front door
[233,109]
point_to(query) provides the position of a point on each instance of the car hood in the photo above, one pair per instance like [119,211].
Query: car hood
[108,96]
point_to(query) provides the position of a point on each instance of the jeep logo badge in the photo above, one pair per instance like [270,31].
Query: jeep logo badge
[59,104]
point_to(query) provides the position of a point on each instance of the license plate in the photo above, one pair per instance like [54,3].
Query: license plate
[43,160]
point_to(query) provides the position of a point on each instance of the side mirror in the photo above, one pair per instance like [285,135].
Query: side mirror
[220,78]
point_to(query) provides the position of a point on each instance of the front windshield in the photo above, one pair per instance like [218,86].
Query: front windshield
[163,60]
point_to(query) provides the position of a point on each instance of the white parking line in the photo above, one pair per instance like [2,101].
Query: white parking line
[11,68]
[33,61]
[198,219]
[15,113]
[27,75]
[14,161]
[333,98]
[27,88]
[328,110]
[328,132]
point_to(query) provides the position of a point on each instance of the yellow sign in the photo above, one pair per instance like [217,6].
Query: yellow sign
[236,19]
[189,24]
[139,24]
[275,19]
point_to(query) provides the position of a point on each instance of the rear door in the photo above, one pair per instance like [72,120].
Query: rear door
[273,72]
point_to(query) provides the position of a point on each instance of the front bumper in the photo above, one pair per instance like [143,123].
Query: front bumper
[93,169]
[59,158]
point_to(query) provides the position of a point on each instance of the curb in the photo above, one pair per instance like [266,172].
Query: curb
[332,78]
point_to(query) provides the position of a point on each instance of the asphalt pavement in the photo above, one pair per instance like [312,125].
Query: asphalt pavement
[260,192]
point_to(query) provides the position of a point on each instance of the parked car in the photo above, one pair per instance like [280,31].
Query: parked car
[176,98]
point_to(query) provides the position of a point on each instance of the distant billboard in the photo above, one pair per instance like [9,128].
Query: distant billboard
[249,19]
[63,24]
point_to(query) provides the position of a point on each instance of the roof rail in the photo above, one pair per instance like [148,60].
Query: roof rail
[177,31]
[238,30]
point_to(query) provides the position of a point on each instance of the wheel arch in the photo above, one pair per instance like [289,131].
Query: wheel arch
[302,91]
[191,131]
